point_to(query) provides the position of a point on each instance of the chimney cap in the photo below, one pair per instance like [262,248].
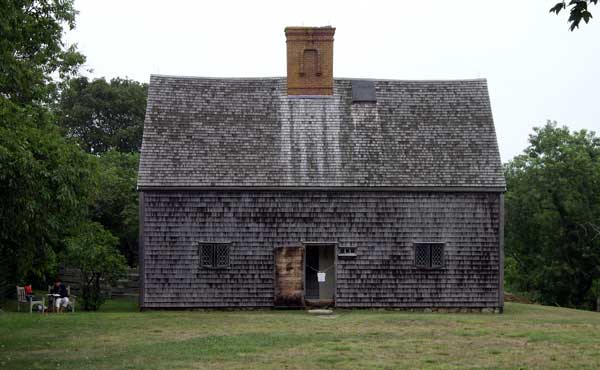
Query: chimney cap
[324,30]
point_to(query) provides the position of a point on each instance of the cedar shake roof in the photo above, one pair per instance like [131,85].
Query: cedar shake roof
[229,132]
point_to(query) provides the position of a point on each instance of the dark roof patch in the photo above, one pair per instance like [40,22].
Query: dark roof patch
[363,91]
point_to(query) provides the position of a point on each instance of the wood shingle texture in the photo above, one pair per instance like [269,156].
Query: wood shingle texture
[204,132]
[381,225]
[238,161]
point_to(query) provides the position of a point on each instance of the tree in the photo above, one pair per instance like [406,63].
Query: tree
[45,179]
[92,249]
[45,183]
[553,216]
[579,11]
[594,293]
[115,203]
[32,51]
[104,116]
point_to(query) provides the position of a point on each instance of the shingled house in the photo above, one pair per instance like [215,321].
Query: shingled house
[268,192]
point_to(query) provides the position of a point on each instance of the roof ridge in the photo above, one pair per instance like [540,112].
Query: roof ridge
[215,78]
[335,78]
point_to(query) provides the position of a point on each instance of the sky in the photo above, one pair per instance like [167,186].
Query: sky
[537,70]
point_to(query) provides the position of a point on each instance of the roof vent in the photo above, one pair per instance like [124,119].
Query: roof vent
[363,91]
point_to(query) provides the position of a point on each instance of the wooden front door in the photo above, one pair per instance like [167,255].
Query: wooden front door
[289,276]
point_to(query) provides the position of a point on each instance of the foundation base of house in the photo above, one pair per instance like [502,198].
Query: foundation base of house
[492,310]
[330,304]
[322,303]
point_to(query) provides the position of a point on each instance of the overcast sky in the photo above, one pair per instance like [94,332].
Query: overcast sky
[536,68]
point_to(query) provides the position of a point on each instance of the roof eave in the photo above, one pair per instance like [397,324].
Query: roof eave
[445,189]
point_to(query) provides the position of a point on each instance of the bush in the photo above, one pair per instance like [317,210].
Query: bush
[94,251]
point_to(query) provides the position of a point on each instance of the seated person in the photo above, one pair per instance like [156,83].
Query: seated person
[28,292]
[62,300]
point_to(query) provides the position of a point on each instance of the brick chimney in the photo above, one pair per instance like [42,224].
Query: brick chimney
[309,60]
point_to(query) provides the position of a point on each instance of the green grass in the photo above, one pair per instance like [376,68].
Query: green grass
[118,337]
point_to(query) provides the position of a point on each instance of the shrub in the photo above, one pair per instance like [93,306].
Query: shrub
[93,250]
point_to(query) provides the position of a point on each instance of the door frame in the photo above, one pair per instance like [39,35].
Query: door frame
[335,264]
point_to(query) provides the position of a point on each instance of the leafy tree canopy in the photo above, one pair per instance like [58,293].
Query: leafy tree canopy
[578,11]
[115,203]
[45,179]
[103,115]
[553,216]
[45,182]
[31,48]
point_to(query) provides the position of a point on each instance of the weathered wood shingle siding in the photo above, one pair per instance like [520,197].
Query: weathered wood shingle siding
[382,225]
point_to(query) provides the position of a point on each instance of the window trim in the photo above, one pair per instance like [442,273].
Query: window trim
[430,265]
[213,246]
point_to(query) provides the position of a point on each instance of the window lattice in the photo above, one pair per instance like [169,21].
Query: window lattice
[421,255]
[221,255]
[437,255]
[214,255]
[206,255]
[429,255]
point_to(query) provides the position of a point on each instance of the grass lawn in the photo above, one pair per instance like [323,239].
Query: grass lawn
[524,337]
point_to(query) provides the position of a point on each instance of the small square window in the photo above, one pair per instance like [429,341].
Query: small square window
[346,251]
[429,255]
[214,255]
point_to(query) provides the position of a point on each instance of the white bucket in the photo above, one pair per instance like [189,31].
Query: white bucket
[321,277]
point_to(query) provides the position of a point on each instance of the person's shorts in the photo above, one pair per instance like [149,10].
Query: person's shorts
[61,302]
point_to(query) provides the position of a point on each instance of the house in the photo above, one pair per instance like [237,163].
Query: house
[314,190]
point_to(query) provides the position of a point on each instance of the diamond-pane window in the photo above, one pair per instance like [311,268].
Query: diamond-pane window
[206,255]
[429,255]
[421,255]
[221,255]
[437,255]
[214,255]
